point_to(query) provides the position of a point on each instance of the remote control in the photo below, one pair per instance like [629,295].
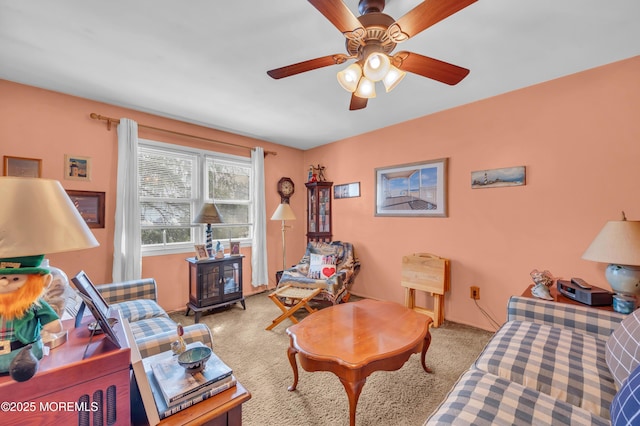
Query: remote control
[580,282]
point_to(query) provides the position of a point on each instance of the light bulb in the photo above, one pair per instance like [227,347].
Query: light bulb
[376,66]
[366,89]
[349,77]
[393,77]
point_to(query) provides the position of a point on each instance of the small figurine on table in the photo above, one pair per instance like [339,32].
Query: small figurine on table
[23,315]
[544,280]
[179,346]
[219,250]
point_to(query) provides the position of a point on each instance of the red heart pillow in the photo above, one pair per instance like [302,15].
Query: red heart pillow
[327,272]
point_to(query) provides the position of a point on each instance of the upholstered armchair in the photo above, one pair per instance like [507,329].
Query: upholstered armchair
[330,266]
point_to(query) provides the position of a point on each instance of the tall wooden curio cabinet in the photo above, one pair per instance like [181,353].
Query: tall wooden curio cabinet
[319,226]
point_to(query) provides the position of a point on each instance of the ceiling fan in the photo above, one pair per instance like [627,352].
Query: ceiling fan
[370,39]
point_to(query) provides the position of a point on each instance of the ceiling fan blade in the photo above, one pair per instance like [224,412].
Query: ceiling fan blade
[421,17]
[340,16]
[357,103]
[435,69]
[309,65]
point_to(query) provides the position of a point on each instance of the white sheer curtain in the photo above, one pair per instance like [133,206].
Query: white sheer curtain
[260,273]
[127,260]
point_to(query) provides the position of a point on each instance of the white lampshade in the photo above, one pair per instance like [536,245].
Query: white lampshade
[349,77]
[283,212]
[376,66]
[38,217]
[392,78]
[366,89]
[618,244]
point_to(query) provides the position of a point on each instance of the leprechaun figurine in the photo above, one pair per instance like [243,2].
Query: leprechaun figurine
[23,315]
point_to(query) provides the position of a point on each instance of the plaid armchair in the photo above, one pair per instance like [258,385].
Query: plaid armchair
[335,275]
[153,330]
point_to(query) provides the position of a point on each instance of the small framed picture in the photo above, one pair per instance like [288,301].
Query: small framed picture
[494,178]
[347,190]
[201,252]
[77,168]
[22,167]
[234,248]
[90,204]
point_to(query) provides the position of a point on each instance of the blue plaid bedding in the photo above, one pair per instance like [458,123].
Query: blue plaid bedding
[483,399]
[550,364]
[144,288]
[136,310]
[558,362]
[583,319]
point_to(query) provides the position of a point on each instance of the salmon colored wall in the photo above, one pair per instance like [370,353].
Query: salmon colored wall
[37,123]
[579,138]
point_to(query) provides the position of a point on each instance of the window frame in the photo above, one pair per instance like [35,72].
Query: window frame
[198,198]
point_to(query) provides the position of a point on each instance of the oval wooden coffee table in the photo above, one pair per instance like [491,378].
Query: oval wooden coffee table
[352,340]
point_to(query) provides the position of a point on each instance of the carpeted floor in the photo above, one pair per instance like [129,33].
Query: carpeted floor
[390,398]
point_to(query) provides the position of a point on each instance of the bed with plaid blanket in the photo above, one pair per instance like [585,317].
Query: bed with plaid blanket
[549,364]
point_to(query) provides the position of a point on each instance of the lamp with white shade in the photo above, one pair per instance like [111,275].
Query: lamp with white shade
[208,214]
[618,244]
[37,218]
[284,212]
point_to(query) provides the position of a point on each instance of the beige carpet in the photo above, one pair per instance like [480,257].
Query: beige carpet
[390,398]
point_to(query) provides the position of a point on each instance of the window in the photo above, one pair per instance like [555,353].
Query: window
[229,186]
[175,181]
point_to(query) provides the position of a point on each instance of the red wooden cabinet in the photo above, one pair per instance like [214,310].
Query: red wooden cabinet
[70,390]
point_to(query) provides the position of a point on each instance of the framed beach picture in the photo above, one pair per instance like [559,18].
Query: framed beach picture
[494,178]
[415,189]
[22,167]
[90,204]
[77,168]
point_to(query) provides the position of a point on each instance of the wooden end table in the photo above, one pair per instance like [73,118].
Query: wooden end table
[560,298]
[352,340]
[223,409]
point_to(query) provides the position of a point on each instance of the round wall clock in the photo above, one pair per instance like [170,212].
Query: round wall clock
[285,189]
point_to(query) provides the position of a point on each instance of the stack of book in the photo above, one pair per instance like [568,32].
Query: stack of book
[175,389]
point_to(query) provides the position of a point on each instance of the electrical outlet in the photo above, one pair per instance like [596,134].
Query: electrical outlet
[475,292]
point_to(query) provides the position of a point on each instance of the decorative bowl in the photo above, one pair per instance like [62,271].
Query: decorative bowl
[193,360]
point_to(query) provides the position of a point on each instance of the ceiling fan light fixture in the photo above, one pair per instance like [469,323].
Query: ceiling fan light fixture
[349,77]
[376,66]
[366,89]
[392,78]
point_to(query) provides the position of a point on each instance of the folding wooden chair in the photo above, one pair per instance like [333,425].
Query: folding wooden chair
[429,273]
[299,298]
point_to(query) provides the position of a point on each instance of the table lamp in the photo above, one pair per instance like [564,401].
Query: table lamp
[618,244]
[37,218]
[208,214]
[283,212]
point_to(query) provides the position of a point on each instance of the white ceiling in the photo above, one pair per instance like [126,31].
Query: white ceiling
[205,61]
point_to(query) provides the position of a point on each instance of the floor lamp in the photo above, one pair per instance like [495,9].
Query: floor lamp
[209,214]
[283,212]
